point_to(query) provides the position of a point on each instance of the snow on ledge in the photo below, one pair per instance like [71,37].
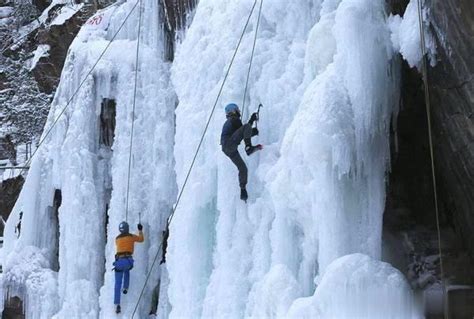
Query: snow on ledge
[66,13]
[6,12]
[41,51]
[5,15]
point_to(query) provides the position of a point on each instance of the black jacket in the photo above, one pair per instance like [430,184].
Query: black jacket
[232,124]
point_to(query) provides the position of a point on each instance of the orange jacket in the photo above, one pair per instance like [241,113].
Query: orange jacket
[125,242]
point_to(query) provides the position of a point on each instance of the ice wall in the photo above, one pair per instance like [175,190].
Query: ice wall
[87,173]
[349,288]
[327,75]
[336,150]
[210,215]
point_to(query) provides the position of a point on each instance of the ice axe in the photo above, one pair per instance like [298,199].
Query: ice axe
[258,114]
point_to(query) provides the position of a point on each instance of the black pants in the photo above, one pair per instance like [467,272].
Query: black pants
[230,149]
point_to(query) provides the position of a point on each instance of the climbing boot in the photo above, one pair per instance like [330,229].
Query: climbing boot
[243,194]
[248,142]
[118,309]
[249,149]
[125,291]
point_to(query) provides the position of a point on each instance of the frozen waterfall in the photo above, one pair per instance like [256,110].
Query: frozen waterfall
[328,78]
[308,242]
[92,178]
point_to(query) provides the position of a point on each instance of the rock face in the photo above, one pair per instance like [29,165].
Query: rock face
[26,92]
[178,15]
[452,105]
[452,92]
[58,37]
[410,234]
[9,191]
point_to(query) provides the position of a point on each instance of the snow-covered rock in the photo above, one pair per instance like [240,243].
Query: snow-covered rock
[6,15]
[406,35]
[41,51]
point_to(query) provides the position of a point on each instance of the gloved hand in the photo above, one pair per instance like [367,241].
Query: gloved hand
[254,131]
[140,226]
[253,118]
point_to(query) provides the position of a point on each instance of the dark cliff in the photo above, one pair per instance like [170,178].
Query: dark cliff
[452,92]
[410,228]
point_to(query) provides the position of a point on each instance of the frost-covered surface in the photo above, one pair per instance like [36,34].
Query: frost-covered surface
[41,51]
[72,160]
[357,286]
[317,191]
[406,34]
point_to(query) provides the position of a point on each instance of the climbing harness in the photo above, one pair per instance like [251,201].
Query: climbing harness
[46,134]
[170,218]
[430,138]
[133,109]
[251,58]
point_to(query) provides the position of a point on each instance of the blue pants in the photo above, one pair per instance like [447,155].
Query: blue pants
[122,273]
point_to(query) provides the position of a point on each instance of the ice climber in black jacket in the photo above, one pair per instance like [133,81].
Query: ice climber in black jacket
[233,133]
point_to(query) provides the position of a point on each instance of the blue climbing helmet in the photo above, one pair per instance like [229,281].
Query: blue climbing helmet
[231,108]
[123,227]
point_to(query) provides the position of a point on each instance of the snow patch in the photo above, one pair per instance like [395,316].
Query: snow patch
[6,15]
[9,173]
[41,51]
[6,12]
[5,21]
[65,13]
